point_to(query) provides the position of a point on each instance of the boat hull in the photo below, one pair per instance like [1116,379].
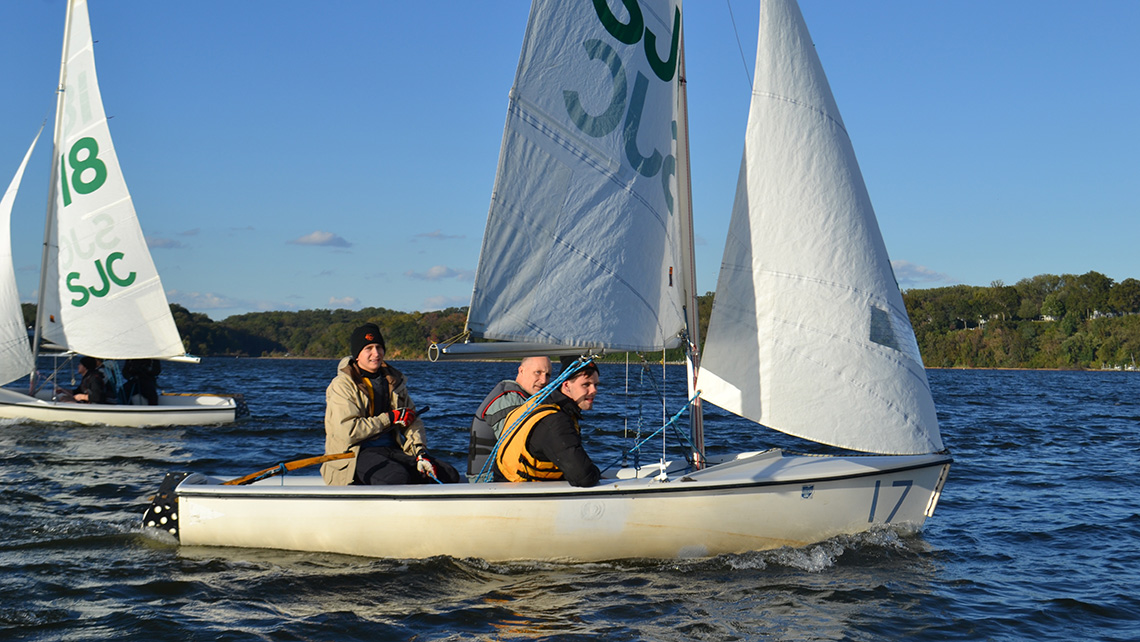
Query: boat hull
[172,410]
[755,502]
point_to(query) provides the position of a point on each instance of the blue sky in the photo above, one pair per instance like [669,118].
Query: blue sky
[295,155]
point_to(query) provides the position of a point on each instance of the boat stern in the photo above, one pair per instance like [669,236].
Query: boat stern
[162,514]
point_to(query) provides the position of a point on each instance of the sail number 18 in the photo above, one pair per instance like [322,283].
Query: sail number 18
[88,174]
[79,169]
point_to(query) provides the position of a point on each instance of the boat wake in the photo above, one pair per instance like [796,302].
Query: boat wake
[890,541]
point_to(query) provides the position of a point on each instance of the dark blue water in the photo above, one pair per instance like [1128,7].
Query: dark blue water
[1037,535]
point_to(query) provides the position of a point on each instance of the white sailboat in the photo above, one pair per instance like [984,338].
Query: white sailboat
[588,246]
[100,294]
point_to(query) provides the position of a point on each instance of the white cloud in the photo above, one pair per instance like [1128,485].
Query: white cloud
[910,275]
[203,300]
[348,302]
[210,303]
[441,302]
[440,272]
[326,239]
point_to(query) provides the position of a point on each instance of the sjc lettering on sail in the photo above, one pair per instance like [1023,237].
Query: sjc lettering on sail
[107,276]
[607,121]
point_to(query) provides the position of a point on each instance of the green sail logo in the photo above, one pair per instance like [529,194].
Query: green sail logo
[90,161]
[107,276]
[88,174]
[626,107]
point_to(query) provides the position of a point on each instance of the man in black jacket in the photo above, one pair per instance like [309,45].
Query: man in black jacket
[92,388]
[547,445]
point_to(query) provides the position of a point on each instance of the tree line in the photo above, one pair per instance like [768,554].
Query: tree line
[1047,321]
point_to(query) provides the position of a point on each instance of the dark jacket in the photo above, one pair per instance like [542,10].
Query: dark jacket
[556,439]
[489,422]
[142,380]
[93,386]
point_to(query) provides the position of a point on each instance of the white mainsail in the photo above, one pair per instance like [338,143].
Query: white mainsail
[583,241]
[15,352]
[809,334]
[100,293]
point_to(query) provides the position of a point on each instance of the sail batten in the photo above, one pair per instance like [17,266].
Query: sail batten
[809,334]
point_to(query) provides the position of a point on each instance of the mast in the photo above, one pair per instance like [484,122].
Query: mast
[49,221]
[688,267]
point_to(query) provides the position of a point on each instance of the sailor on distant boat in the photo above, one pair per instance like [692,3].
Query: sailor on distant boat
[368,411]
[547,444]
[491,417]
[141,387]
[92,387]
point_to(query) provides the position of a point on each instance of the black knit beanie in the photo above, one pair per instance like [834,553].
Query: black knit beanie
[362,336]
[589,368]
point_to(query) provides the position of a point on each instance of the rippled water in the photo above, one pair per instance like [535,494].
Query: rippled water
[1037,535]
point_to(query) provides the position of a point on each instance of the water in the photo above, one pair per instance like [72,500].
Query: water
[1037,535]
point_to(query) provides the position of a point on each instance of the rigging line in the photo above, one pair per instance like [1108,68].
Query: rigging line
[672,422]
[642,379]
[743,60]
[664,406]
[625,405]
[641,374]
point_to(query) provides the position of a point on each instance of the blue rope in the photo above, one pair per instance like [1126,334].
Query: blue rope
[672,422]
[271,472]
[540,396]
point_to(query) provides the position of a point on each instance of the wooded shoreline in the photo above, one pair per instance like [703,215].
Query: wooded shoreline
[1047,322]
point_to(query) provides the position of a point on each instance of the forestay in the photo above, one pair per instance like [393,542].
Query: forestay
[582,246]
[809,334]
[101,293]
[15,353]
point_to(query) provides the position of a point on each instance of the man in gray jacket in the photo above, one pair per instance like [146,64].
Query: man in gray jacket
[508,394]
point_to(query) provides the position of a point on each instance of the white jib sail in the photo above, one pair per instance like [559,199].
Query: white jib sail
[809,334]
[103,295]
[582,243]
[15,351]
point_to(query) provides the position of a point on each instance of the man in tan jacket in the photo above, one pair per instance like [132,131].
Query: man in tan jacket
[368,411]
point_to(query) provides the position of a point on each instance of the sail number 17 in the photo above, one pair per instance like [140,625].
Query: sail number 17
[904,483]
[79,169]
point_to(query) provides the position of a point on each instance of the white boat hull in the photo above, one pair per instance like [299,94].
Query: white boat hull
[172,410]
[755,502]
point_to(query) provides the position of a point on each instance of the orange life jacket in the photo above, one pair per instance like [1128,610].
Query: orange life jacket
[514,460]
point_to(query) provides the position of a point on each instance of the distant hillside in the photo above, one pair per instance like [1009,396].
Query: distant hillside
[1047,321]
